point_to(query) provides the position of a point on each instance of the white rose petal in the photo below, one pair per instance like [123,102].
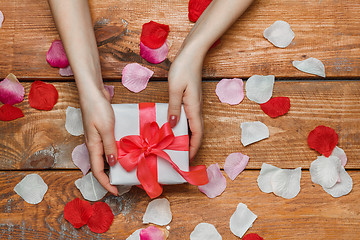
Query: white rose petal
[286,182]
[31,188]
[158,212]
[205,231]
[311,65]
[90,188]
[338,152]
[325,171]
[343,187]
[260,88]
[252,132]
[264,178]
[73,122]
[241,220]
[280,34]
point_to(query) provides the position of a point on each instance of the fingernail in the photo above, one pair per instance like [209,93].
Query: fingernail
[173,121]
[111,160]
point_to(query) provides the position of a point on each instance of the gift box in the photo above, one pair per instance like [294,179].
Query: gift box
[149,151]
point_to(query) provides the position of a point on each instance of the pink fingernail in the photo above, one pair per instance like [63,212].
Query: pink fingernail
[111,160]
[173,121]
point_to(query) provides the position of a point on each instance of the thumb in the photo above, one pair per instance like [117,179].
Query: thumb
[110,148]
[174,109]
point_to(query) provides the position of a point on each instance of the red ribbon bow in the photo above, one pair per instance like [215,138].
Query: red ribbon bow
[141,151]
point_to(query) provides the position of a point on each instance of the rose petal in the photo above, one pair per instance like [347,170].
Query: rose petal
[196,8]
[264,178]
[136,77]
[343,187]
[152,233]
[216,43]
[9,112]
[1,18]
[235,163]
[73,122]
[205,231]
[158,212]
[11,90]
[325,171]
[252,236]
[66,72]
[56,55]
[31,188]
[80,157]
[259,88]
[78,212]
[279,34]
[122,189]
[90,188]
[43,96]
[101,219]
[135,235]
[230,91]
[154,56]
[153,34]
[110,89]
[241,220]
[217,182]
[276,106]
[323,139]
[286,182]
[311,65]
[339,153]
[252,132]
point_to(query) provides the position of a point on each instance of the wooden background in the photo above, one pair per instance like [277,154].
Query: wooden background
[38,143]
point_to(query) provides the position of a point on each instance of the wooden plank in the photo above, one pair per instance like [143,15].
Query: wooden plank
[326,29]
[39,140]
[313,214]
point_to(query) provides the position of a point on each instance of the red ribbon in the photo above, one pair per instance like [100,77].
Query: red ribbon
[142,150]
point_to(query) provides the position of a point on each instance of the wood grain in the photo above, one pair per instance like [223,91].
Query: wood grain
[325,29]
[313,214]
[40,141]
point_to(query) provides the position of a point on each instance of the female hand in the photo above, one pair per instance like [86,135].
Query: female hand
[99,122]
[185,85]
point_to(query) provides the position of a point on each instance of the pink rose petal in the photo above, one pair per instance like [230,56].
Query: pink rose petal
[56,55]
[155,56]
[80,157]
[66,72]
[11,90]
[110,89]
[135,77]
[152,233]
[235,163]
[1,18]
[230,91]
[217,182]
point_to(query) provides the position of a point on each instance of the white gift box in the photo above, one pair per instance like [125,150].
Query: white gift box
[127,123]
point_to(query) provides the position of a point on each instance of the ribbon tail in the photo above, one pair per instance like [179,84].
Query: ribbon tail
[197,174]
[148,180]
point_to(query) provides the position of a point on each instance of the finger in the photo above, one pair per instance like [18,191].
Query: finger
[174,110]
[193,113]
[97,166]
[109,143]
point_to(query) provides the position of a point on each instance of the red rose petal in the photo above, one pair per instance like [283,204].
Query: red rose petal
[153,34]
[56,55]
[78,212]
[43,96]
[323,139]
[276,106]
[101,219]
[252,236]
[196,8]
[9,112]
[216,43]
